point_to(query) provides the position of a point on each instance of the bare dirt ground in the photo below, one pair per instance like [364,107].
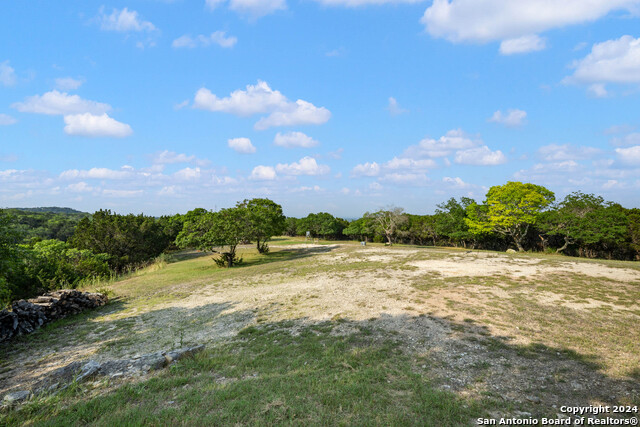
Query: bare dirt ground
[537,332]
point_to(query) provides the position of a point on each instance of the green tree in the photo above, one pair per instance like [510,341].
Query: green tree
[322,224]
[266,220]
[450,220]
[586,220]
[10,256]
[225,228]
[361,228]
[510,210]
[291,226]
[388,220]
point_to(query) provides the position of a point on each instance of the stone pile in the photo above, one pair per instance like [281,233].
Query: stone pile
[25,317]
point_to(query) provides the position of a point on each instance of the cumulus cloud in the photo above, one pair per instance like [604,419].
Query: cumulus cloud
[218,38]
[306,166]
[629,155]
[241,145]
[59,103]
[80,187]
[300,113]
[456,182]
[394,108]
[524,44]
[294,139]
[124,21]
[481,156]
[6,120]
[366,169]
[612,61]
[511,118]
[68,83]
[122,193]
[507,20]
[455,139]
[252,8]
[263,173]
[91,125]
[405,178]
[188,174]
[7,74]
[261,99]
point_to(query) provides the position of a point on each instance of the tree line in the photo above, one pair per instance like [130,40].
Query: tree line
[35,257]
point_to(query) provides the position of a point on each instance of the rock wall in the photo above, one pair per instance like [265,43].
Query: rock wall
[27,316]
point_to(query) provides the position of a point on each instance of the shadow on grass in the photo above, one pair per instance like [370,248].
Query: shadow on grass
[286,255]
[388,370]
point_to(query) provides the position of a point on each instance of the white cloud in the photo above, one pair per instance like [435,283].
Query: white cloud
[171,157]
[257,8]
[188,174]
[300,113]
[366,169]
[630,139]
[294,139]
[612,61]
[80,187]
[481,156]
[394,108]
[6,120]
[454,140]
[261,99]
[55,103]
[629,155]
[263,173]
[489,20]
[598,90]
[524,44]
[306,166]
[212,4]
[558,153]
[95,173]
[91,125]
[7,74]
[242,145]
[409,164]
[456,182]
[511,118]
[218,38]
[356,3]
[68,83]
[253,8]
[124,21]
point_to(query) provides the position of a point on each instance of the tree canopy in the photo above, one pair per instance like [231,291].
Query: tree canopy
[510,210]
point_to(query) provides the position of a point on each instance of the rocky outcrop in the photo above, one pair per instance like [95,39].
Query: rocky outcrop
[81,371]
[25,317]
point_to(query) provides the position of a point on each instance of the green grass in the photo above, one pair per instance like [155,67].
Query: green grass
[269,376]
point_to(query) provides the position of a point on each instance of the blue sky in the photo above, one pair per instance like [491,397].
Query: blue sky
[343,106]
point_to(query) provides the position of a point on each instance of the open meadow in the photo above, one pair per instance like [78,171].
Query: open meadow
[338,333]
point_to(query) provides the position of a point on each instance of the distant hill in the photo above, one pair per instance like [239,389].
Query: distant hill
[52,209]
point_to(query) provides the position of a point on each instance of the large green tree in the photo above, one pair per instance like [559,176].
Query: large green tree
[226,228]
[510,210]
[388,220]
[586,220]
[266,220]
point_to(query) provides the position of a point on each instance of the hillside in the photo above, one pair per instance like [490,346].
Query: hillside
[341,333]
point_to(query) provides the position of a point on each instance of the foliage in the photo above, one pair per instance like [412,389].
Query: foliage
[387,221]
[266,220]
[510,210]
[56,265]
[208,230]
[128,239]
[586,220]
[362,228]
[450,220]
[46,223]
[322,224]
[291,226]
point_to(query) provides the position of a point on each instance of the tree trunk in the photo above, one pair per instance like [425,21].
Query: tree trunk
[566,243]
[389,239]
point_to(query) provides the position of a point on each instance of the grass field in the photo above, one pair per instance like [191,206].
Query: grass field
[336,333]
